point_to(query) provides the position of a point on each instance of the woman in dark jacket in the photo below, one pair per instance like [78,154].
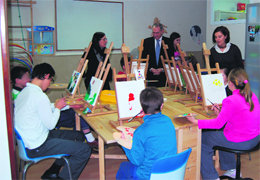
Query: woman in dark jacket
[97,54]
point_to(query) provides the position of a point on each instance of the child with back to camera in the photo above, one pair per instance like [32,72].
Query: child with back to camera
[153,140]
[240,114]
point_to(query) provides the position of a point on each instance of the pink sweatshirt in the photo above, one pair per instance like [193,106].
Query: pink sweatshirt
[241,124]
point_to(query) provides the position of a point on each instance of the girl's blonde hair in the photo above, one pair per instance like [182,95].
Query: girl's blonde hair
[239,78]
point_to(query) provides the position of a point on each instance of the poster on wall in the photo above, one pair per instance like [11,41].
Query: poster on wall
[214,89]
[128,101]
[195,33]
[93,90]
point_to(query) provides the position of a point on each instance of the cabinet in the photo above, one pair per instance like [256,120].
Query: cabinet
[228,12]
[43,40]
[252,53]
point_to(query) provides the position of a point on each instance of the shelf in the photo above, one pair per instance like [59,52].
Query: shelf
[228,12]
[225,15]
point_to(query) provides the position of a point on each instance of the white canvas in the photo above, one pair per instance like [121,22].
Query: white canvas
[93,90]
[128,101]
[74,80]
[134,66]
[213,87]
[174,75]
[189,80]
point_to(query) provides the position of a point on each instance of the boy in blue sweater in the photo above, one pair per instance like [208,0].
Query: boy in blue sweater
[153,140]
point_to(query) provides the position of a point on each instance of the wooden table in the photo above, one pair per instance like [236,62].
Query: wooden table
[188,135]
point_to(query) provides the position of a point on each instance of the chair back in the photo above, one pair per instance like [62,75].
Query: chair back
[21,147]
[172,167]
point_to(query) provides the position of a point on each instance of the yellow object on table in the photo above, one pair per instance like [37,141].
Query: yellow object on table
[108,96]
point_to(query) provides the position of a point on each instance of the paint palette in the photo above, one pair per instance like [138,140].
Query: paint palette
[127,132]
[124,138]
[186,115]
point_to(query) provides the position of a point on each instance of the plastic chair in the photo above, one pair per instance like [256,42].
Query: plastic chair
[29,161]
[172,167]
[238,162]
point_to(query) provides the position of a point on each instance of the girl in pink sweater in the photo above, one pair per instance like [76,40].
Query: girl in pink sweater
[240,114]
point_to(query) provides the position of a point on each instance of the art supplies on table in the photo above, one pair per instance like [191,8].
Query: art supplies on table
[186,115]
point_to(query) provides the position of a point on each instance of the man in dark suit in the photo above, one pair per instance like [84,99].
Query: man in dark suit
[153,48]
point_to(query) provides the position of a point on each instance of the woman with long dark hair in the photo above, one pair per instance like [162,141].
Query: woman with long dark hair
[97,54]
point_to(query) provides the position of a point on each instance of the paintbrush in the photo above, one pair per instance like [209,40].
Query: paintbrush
[134,116]
[213,104]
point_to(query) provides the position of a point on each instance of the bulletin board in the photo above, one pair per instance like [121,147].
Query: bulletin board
[77,20]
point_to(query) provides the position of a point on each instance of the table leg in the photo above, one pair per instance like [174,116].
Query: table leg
[101,158]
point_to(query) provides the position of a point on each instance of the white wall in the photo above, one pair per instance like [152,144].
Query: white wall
[178,15]
[4,150]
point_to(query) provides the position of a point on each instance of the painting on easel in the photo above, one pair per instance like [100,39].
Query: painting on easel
[74,80]
[93,90]
[134,66]
[175,78]
[139,74]
[128,100]
[213,87]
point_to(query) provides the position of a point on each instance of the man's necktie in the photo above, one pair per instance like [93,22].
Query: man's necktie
[157,51]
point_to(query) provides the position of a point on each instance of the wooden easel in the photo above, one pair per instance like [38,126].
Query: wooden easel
[101,73]
[204,110]
[182,54]
[190,78]
[185,71]
[79,69]
[206,53]
[121,121]
[139,61]
[140,49]
[128,76]
[192,85]
[172,74]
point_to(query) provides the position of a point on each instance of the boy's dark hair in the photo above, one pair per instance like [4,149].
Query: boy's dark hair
[18,72]
[40,70]
[151,100]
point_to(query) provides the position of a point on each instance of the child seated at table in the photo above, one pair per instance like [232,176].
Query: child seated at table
[122,63]
[153,140]
[20,76]
[240,114]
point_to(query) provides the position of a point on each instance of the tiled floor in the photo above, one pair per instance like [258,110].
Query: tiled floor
[249,168]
